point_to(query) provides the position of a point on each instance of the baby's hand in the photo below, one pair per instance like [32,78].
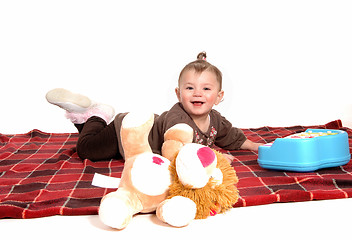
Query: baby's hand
[229,157]
[249,145]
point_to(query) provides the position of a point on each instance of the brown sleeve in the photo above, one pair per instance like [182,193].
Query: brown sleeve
[229,137]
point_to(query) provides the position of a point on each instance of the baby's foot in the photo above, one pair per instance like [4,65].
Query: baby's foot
[79,108]
[71,102]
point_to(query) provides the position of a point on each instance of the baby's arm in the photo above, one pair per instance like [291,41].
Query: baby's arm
[249,145]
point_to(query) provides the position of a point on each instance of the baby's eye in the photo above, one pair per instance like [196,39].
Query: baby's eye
[207,89]
[189,88]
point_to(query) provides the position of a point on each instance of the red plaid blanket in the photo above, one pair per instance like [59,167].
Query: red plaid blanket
[41,175]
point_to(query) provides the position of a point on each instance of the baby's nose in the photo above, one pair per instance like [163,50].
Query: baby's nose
[197,93]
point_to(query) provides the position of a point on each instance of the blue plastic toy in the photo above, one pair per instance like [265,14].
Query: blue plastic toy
[307,151]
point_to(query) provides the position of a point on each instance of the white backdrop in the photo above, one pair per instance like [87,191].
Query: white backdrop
[284,62]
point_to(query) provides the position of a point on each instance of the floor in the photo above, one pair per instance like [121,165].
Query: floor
[329,219]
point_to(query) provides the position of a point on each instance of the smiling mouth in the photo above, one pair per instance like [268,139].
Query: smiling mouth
[197,103]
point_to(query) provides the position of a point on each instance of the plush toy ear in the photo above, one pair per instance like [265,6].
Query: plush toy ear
[181,132]
[175,138]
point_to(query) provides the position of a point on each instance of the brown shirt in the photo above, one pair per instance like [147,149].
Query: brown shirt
[220,133]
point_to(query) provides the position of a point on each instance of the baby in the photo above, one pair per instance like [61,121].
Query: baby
[199,89]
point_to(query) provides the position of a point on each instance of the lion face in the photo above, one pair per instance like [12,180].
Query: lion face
[204,176]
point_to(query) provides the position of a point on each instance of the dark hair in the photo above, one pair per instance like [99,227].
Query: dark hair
[200,65]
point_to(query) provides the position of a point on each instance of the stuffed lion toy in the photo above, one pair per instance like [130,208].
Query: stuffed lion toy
[212,190]
[190,181]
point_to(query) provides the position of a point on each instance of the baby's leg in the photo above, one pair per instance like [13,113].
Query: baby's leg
[98,141]
[97,138]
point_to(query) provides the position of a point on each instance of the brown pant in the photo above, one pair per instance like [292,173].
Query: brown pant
[97,141]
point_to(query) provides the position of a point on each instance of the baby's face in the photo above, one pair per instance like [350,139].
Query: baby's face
[199,92]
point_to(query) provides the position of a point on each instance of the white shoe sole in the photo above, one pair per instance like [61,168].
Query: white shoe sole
[71,102]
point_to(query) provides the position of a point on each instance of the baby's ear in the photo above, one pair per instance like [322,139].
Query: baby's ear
[219,97]
[177,91]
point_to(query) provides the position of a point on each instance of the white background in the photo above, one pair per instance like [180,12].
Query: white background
[284,62]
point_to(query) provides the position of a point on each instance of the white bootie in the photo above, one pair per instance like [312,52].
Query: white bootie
[79,108]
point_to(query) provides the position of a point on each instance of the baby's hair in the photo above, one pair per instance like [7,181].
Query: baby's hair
[200,65]
[202,56]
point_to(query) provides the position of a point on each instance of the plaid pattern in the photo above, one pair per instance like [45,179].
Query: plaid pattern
[41,175]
